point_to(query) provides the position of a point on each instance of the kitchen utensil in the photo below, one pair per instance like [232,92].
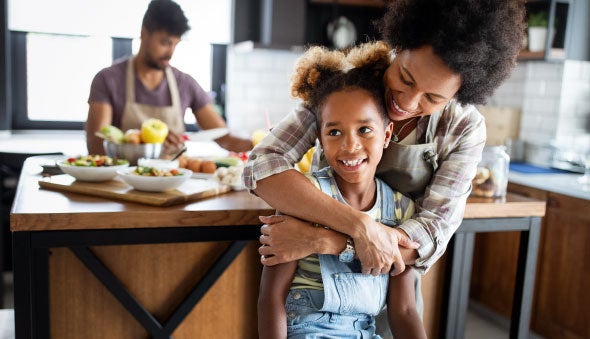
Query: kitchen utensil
[341,32]
[184,148]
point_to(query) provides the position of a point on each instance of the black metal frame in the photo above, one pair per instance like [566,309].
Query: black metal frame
[31,271]
[458,273]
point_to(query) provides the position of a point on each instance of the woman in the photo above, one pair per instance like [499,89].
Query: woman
[448,55]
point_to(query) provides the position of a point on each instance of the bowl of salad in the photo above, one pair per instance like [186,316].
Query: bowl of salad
[154,179]
[92,167]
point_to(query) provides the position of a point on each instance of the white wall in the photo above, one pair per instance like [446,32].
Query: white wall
[258,81]
[554,98]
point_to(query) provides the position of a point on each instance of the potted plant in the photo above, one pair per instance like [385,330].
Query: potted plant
[537,30]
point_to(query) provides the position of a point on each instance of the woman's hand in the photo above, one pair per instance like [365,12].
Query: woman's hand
[285,239]
[378,248]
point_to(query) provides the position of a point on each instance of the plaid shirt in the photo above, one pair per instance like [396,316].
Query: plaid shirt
[460,137]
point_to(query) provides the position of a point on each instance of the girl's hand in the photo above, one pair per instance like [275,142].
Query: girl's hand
[285,239]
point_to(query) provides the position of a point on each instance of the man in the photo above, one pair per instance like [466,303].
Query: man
[146,86]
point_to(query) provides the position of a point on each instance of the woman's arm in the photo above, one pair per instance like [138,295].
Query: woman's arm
[461,136]
[274,287]
[376,245]
[285,238]
[269,172]
[404,319]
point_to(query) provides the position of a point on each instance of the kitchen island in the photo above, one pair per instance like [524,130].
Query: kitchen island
[87,267]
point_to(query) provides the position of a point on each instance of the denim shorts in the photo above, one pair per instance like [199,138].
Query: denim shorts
[306,321]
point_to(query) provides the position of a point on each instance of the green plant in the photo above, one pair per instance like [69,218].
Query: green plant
[539,19]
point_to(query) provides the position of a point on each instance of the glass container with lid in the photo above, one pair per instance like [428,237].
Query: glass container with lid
[491,178]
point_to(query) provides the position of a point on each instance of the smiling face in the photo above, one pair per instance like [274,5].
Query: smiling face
[353,134]
[418,83]
[157,48]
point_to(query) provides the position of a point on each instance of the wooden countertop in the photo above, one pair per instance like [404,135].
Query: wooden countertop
[36,209]
[40,209]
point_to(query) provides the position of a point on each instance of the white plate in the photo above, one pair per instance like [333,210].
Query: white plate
[199,175]
[208,134]
[239,187]
[154,184]
[88,173]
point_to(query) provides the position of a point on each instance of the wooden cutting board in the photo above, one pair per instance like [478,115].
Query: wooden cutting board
[191,190]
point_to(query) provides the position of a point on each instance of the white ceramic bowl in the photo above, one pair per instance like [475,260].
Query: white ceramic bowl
[158,163]
[88,173]
[153,184]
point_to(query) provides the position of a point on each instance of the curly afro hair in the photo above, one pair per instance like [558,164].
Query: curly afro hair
[320,72]
[477,39]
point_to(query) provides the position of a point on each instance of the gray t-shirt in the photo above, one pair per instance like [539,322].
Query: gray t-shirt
[108,86]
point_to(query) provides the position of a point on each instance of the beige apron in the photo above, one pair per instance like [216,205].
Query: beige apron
[134,114]
[409,168]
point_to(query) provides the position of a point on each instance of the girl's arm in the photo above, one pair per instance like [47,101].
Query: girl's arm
[274,287]
[404,319]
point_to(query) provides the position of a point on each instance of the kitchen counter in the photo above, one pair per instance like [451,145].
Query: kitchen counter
[562,183]
[71,280]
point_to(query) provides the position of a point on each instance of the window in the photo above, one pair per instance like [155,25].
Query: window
[66,42]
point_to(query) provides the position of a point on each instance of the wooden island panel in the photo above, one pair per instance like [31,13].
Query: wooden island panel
[159,276]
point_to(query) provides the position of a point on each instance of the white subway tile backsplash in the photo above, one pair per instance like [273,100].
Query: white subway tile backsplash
[554,97]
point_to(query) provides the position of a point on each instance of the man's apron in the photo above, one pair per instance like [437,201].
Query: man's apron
[134,114]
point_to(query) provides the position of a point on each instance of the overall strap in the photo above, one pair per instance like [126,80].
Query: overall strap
[323,178]
[389,204]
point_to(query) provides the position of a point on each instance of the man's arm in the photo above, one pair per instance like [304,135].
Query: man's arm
[99,114]
[274,287]
[208,118]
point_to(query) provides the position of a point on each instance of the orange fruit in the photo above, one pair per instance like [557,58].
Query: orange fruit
[208,166]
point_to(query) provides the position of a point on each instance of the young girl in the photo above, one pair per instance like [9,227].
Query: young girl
[328,294]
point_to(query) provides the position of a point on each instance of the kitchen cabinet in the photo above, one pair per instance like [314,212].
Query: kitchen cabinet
[561,300]
[568,34]
[288,24]
[269,23]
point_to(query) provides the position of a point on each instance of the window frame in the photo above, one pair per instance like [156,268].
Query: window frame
[20,120]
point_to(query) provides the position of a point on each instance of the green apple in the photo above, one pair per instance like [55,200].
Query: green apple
[154,131]
[113,134]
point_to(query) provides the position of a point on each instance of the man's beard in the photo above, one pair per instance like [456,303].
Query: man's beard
[154,64]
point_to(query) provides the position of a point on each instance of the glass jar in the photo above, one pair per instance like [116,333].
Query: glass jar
[491,178]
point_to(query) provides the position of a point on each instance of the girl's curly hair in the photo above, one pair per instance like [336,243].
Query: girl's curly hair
[477,39]
[320,72]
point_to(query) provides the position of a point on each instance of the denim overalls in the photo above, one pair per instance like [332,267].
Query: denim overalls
[350,300]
